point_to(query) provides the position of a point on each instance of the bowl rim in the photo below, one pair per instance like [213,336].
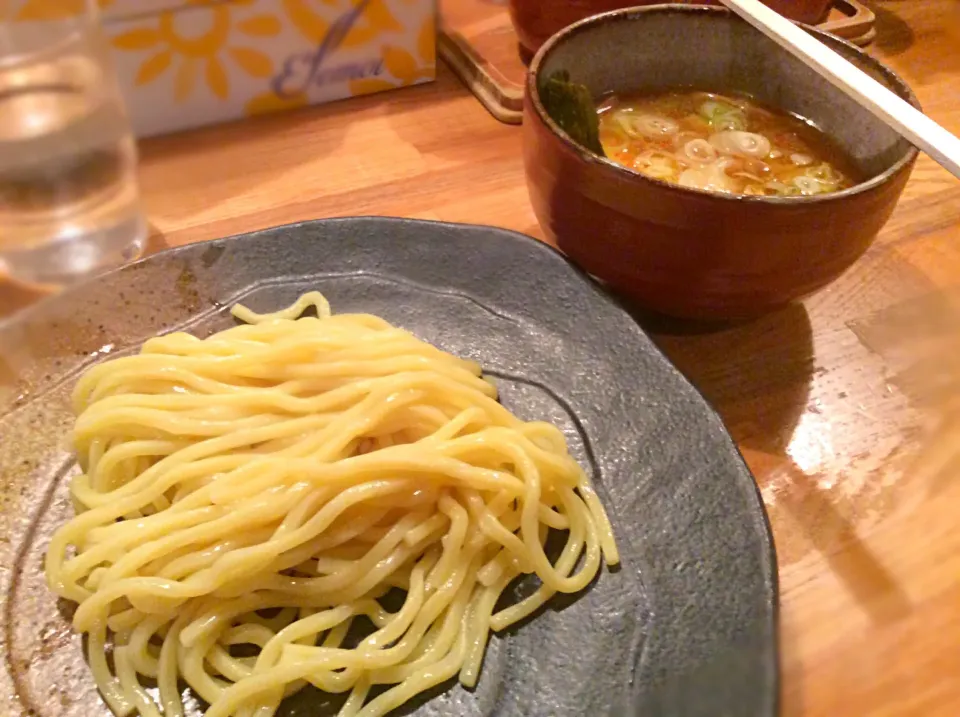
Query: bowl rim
[636,13]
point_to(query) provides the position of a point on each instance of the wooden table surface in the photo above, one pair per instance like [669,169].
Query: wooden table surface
[829,401]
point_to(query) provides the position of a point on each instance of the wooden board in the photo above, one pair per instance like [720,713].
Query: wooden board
[477,41]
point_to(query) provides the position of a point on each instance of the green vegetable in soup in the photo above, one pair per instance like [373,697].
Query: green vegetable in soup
[723,116]
[572,107]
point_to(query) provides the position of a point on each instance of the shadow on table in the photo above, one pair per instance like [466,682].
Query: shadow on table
[894,36]
[756,374]
[448,104]
[758,377]
[834,537]
[936,24]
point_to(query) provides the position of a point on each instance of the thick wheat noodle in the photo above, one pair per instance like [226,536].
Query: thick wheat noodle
[307,467]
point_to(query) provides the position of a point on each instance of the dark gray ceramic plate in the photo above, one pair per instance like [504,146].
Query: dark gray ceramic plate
[687,626]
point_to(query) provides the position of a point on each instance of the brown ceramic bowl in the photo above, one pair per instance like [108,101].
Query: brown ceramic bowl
[536,20]
[687,252]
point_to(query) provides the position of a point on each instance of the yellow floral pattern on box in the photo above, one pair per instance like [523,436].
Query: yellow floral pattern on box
[404,68]
[183,63]
[192,56]
[54,9]
[376,19]
[401,67]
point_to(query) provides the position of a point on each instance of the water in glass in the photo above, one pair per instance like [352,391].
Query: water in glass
[69,200]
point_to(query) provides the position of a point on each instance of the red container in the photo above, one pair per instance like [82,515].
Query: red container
[536,20]
[689,253]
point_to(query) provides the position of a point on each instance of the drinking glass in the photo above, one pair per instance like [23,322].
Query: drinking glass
[69,199]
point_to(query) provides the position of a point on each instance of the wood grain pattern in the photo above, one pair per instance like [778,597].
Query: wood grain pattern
[832,402]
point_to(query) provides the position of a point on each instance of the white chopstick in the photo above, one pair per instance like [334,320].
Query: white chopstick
[900,115]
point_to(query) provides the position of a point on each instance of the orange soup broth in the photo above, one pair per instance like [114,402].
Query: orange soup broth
[788,135]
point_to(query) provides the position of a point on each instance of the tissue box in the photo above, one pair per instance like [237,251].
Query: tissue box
[184,63]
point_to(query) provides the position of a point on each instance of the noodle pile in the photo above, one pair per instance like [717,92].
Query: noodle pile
[248,500]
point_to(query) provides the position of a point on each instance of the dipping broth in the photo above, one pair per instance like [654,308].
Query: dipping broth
[721,143]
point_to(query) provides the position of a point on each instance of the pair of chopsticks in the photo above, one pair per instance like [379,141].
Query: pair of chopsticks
[901,116]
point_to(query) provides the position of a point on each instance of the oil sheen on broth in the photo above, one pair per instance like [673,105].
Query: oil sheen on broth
[721,143]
